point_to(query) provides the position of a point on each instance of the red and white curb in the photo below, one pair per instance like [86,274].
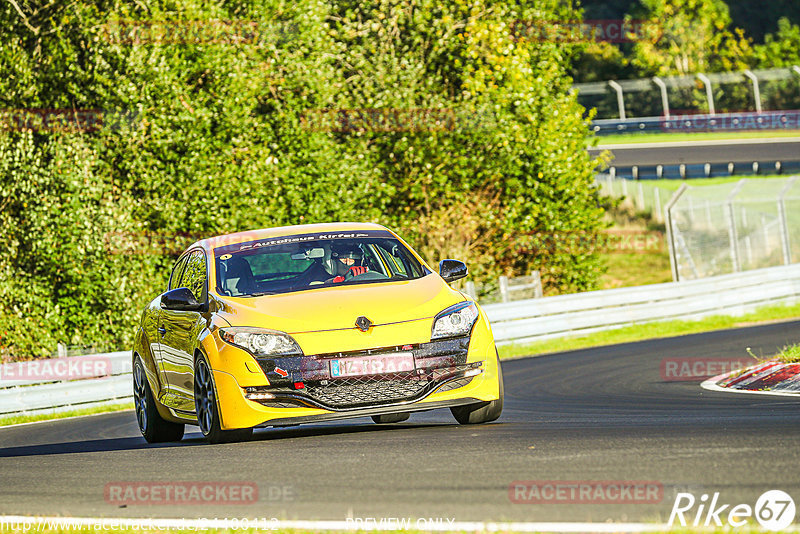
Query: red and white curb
[768,378]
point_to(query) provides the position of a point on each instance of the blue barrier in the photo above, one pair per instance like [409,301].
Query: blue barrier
[691,123]
[703,170]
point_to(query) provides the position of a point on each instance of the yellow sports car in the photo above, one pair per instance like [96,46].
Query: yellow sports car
[310,323]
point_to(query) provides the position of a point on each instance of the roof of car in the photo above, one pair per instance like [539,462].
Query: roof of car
[283,231]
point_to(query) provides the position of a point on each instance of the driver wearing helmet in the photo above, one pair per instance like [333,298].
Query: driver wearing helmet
[347,259]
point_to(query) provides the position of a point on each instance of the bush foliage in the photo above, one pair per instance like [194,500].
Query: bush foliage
[431,118]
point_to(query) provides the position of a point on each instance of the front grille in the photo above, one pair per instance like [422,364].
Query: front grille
[361,391]
[439,366]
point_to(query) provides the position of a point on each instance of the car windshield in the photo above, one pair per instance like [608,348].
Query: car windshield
[309,261]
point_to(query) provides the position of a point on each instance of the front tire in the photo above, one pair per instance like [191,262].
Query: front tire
[153,427]
[481,412]
[207,408]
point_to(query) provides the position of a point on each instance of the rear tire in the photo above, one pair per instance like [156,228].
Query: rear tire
[207,408]
[481,412]
[390,418]
[153,427]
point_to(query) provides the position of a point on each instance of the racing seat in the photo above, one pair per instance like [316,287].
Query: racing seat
[238,277]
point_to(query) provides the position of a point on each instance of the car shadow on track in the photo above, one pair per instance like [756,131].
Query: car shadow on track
[307,431]
[76,447]
[194,438]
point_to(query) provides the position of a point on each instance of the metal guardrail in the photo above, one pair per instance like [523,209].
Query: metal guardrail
[663,85]
[521,321]
[36,396]
[701,122]
[583,313]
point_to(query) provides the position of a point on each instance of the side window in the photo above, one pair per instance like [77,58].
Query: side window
[194,277]
[177,271]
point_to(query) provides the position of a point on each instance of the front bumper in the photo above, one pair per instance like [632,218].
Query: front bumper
[296,390]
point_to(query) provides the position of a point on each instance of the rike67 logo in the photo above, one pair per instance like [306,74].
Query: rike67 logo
[774,510]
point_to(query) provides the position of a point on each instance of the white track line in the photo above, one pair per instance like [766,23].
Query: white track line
[110,524]
[707,142]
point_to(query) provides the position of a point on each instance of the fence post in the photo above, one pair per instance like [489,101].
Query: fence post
[709,93]
[61,350]
[664,98]
[538,291]
[748,245]
[503,282]
[620,99]
[786,245]
[673,259]
[658,215]
[756,92]
[732,226]
[640,196]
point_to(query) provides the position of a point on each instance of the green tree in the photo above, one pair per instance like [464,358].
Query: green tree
[781,49]
[203,136]
[695,36]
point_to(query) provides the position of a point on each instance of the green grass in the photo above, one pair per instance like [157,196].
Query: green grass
[700,136]
[673,185]
[18,419]
[655,330]
[789,354]
[626,270]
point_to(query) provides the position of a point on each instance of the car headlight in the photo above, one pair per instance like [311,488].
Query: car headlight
[455,321]
[260,341]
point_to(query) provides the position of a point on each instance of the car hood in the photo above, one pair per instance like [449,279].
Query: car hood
[337,308]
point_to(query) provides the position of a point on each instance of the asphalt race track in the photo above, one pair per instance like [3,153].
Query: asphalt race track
[595,414]
[724,151]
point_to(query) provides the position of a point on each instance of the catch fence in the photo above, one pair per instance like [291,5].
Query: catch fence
[752,223]
[734,227]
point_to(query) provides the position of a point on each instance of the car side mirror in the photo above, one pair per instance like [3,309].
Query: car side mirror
[180,299]
[452,270]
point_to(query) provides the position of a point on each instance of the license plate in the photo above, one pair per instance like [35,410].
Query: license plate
[400,362]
